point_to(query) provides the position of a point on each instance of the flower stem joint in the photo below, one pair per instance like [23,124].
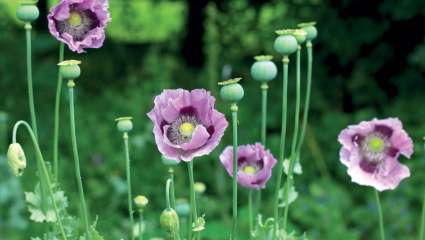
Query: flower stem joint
[70,69]
[16,159]
[285,43]
[300,35]
[231,90]
[310,29]
[124,124]
[263,70]
[27,12]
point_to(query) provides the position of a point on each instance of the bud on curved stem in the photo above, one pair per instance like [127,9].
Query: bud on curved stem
[44,174]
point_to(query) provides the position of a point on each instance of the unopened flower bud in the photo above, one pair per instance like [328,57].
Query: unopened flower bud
[124,124]
[310,29]
[70,69]
[231,90]
[27,12]
[169,221]
[200,187]
[286,43]
[263,69]
[141,201]
[16,159]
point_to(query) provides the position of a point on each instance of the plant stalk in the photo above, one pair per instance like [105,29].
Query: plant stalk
[381,219]
[285,62]
[293,157]
[234,109]
[193,212]
[71,85]
[28,28]
[128,173]
[56,116]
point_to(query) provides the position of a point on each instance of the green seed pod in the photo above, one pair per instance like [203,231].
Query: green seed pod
[124,124]
[27,13]
[200,187]
[263,69]
[169,221]
[300,35]
[310,29]
[70,69]
[182,207]
[16,159]
[286,43]
[231,90]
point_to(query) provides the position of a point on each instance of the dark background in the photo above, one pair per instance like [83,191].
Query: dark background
[369,62]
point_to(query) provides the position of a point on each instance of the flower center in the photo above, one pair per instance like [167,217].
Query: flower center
[249,169]
[75,19]
[186,129]
[376,144]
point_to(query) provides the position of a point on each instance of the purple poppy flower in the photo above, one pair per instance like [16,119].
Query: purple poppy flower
[255,164]
[186,124]
[371,149]
[79,23]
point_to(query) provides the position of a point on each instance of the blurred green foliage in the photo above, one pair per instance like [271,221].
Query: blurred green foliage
[369,62]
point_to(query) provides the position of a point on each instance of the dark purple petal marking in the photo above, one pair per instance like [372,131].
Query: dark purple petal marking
[357,139]
[188,111]
[368,167]
[384,130]
[241,161]
[89,22]
[392,151]
[211,130]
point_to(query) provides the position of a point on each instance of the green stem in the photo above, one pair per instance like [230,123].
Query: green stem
[167,193]
[71,85]
[293,157]
[422,227]
[29,79]
[173,196]
[234,109]
[56,117]
[282,142]
[264,87]
[44,172]
[381,219]
[250,213]
[128,173]
[193,212]
[309,46]
[140,225]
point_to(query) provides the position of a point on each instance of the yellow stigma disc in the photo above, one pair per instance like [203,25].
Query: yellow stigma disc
[74,19]
[248,169]
[186,129]
[376,144]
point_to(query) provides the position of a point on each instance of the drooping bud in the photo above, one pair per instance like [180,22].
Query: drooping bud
[310,29]
[141,201]
[124,124]
[16,159]
[169,221]
[27,12]
[285,43]
[231,90]
[70,69]
[263,69]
